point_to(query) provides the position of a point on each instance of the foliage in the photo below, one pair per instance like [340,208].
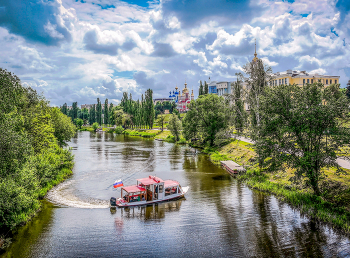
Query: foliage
[119,130]
[206,88]
[238,110]
[95,126]
[149,108]
[118,116]
[161,120]
[259,75]
[303,127]
[63,127]
[201,90]
[106,119]
[78,122]
[206,116]
[31,158]
[175,126]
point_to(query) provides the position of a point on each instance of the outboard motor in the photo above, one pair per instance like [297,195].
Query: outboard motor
[113,201]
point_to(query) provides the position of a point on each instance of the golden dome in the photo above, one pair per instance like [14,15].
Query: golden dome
[185,90]
[192,93]
[176,88]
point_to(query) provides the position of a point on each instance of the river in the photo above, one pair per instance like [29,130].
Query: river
[219,216]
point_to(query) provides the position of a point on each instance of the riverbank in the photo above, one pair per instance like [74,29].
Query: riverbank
[26,216]
[333,206]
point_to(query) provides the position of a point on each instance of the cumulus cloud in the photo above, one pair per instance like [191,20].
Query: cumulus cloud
[81,50]
[38,21]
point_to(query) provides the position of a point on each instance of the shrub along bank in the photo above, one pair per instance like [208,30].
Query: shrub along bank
[332,206]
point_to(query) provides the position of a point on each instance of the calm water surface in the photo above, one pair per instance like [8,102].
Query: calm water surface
[219,217]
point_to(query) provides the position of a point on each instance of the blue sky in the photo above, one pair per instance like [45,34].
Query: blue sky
[80,50]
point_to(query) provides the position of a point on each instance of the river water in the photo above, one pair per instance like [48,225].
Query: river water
[219,216]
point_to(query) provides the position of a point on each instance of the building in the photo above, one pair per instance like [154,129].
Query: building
[223,88]
[212,87]
[301,77]
[161,100]
[181,100]
[88,106]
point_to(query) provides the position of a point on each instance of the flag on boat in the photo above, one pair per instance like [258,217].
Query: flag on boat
[118,183]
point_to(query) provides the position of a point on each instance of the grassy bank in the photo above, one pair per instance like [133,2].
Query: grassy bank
[333,206]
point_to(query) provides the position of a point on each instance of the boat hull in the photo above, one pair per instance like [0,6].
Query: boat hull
[120,203]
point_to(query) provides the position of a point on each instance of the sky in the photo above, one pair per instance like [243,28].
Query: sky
[81,50]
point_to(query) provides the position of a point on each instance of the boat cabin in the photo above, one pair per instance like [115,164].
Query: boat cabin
[148,190]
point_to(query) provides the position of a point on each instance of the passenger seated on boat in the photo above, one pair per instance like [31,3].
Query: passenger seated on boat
[173,191]
[167,191]
[143,198]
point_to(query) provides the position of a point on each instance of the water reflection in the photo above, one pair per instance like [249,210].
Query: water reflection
[150,212]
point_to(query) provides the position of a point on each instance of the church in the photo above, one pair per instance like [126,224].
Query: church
[181,100]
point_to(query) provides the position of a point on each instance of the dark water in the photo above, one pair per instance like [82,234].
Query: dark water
[219,217]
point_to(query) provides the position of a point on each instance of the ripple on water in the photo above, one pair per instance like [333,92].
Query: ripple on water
[63,194]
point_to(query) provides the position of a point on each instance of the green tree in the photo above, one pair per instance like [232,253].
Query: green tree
[74,110]
[161,121]
[201,90]
[348,89]
[95,126]
[79,122]
[207,116]
[259,75]
[63,127]
[118,116]
[303,128]
[64,109]
[175,126]
[239,113]
[106,113]
[110,114]
[149,108]
[206,88]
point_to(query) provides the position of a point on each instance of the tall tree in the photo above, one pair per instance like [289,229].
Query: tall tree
[206,88]
[99,112]
[64,109]
[110,115]
[239,113]
[149,108]
[201,90]
[74,110]
[106,113]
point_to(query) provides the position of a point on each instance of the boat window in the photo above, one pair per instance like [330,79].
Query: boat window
[170,190]
[160,188]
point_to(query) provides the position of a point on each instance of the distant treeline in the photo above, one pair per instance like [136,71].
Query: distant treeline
[32,157]
[129,113]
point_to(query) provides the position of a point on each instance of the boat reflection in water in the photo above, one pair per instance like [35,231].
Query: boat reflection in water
[155,211]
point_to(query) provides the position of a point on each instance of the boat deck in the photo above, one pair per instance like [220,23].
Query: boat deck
[232,167]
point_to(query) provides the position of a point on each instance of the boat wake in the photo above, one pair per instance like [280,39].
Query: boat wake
[185,189]
[63,194]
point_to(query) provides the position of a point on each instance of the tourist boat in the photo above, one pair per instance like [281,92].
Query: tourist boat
[149,190]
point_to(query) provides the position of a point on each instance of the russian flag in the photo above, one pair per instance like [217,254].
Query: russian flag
[118,183]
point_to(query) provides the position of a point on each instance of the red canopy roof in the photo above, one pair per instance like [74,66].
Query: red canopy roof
[134,189]
[170,183]
[150,180]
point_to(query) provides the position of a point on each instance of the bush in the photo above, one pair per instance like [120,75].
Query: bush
[119,130]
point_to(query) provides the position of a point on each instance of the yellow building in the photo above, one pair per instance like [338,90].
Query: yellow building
[301,77]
